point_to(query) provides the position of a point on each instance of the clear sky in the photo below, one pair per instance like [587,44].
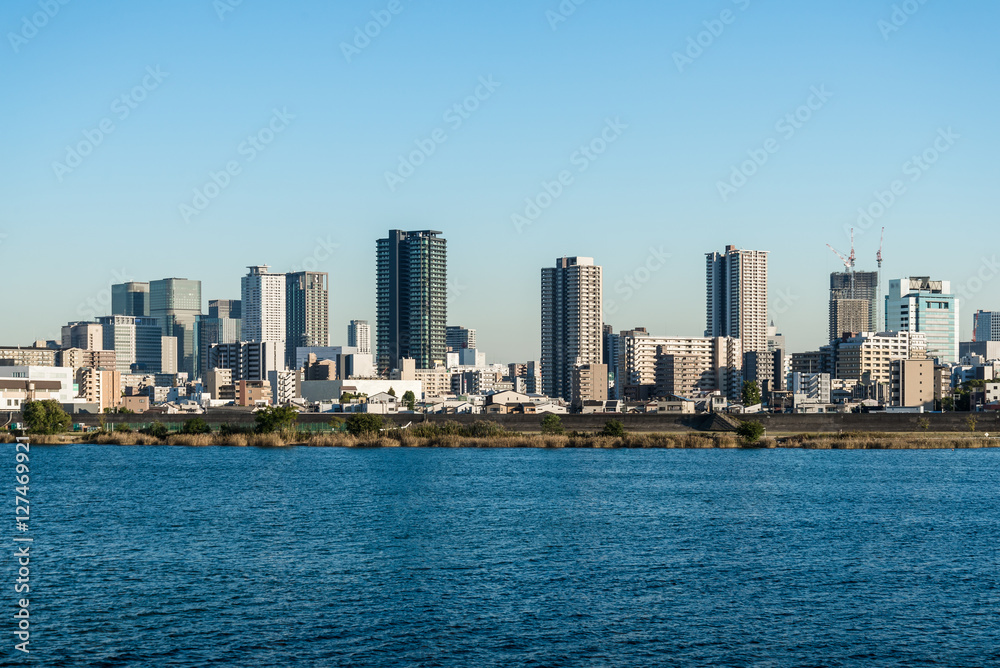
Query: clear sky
[200,77]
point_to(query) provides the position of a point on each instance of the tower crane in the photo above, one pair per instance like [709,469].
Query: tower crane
[848,261]
[878,256]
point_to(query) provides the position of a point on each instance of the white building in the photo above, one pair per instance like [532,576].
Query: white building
[359,336]
[331,390]
[572,322]
[737,306]
[263,306]
[35,383]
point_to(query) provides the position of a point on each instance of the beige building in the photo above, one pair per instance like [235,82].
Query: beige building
[913,383]
[85,335]
[572,322]
[101,386]
[216,379]
[436,381]
[590,383]
[33,356]
[77,358]
[868,356]
[699,365]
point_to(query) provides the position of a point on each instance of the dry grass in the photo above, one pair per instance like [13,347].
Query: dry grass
[194,440]
[876,441]
[123,438]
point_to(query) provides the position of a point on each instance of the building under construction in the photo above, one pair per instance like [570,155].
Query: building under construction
[853,302]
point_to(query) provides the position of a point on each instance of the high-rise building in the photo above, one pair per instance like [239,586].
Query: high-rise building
[223,324]
[83,335]
[176,304]
[359,336]
[853,302]
[609,357]
[307,312]
[130,299]
[572,301]
[918,304]
[737,303]
[263,305]
[411,299]
[986,326]
[137,342]
[459,338]
[247,360]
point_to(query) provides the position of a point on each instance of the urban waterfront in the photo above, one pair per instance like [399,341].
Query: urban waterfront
[175,556]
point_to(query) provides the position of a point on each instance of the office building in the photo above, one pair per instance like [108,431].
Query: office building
[359,336]
[307,311]
[459,338]
[988,350]
[854,302]
[411,299]
[19,384]
[223,324]
[130,299]
[136,342]
[736,283]
[83,335]
[609,357]
[922,305]
[572,300]
[986,326]
[176,304]
[247,360]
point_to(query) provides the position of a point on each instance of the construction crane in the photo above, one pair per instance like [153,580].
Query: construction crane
[848,261]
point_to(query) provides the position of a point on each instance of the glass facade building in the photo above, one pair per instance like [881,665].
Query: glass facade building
[176,303]
[922,305]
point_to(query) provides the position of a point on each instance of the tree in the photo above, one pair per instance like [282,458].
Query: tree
[391,392]
[751,393]
[365,424]
[410,399]
[552,424]
[275,418]
[613,428]
[972,421]
[924,423]
[196,426]
[156,430]
[750,431]
[45,417]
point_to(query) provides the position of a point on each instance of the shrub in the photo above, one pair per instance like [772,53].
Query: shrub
[486,429]
[552,424]
[156,430]
[227,429]
[365,424]
[122,428]
[613,428]
[196,426]
[750,431]
[45,417]
[275,418]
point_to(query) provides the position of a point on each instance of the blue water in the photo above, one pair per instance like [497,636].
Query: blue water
[328,557]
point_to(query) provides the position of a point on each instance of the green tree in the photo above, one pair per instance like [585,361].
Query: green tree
[196,425]
[123,428]
[924,423]
[750,431]
[972,421]
[45,417]
[275,418]
[391,392]
[552,424]
[410,399]
[613,428]
[156,430]
[751,393]
[365,424]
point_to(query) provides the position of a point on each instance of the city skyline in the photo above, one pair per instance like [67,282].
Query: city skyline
[616,152]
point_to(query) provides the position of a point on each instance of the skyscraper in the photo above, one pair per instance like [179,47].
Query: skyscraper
[572,301]
[176,303]
[737,304]
[223,324]
[307,312]
[853,302]
[137,342]
[918,304]
[263,305]
[359,336]
[986,326]
[130,299]
[460,338]
[411,299]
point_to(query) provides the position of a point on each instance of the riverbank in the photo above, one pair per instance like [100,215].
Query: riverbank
[396,439]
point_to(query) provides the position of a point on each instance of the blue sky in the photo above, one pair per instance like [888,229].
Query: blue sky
[316,196]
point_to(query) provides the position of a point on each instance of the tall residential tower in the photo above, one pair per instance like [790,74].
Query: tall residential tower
[307,312]
[572,301]
[737,304]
